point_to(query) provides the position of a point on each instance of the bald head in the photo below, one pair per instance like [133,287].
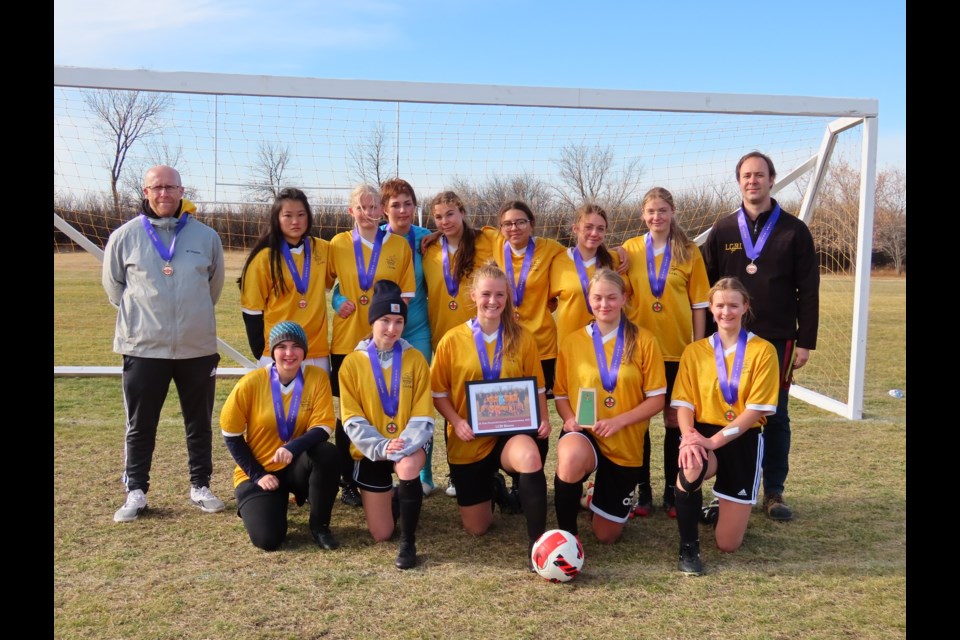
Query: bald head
[163,189]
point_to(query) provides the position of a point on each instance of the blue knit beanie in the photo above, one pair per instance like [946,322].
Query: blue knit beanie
[288,330]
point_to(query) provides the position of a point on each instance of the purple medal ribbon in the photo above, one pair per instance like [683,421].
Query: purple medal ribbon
[165,253]
[608,375]
[365,276]
[489,372]
[389,398]
[518,287]
[753,252]
[730,388]
[658,281]
[300,283]
[582,274]
[453,287]
[286,424]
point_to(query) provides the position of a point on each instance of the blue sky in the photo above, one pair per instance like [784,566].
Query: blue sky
[851,48]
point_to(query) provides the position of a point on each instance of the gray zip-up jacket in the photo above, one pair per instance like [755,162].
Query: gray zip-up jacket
[164,316]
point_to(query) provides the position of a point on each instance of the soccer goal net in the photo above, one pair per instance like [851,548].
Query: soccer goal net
[237,140]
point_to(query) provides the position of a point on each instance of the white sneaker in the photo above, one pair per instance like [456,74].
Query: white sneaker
[451,490]
[204,498]
[135,504]
[427,488]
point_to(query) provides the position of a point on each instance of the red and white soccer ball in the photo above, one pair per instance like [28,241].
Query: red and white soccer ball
[557,556]
[587,498]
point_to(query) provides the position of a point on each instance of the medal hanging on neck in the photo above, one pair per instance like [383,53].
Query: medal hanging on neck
[730,386]
[453,287]
[608,375]
[301,283]
[389,398]
[753,251]
[657,280]
[489,371]
[166,253]
[286,423]
[365,274]
[519,286]
[582,275]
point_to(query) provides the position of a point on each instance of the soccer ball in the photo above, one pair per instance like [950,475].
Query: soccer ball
[587,498]
[557,556]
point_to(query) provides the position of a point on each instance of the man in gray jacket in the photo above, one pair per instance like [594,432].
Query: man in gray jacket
[164,271]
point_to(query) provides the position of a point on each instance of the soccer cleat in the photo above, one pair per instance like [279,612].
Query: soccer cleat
[204,498]
[669,503]
[710,513]
[500,494]
[690,563]
[451,490]
[135,504]
[350,495]
[643,509]
[406,555]
[428,487]
[324,538]
[775,508]
[514,506]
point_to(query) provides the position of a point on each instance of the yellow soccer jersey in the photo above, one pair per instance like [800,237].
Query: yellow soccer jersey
[456,362]
[535,316]
[359,397]
[639,378]
[442,316]
[258,295]
[396,263]
[698,388]
[686,289]
[249,411]
[565,285]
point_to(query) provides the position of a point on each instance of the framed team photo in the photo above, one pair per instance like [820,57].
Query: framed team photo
[503,407]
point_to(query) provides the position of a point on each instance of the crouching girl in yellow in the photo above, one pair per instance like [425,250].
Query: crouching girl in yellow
[387,413]
[620,366]
[277,423]
[726,386]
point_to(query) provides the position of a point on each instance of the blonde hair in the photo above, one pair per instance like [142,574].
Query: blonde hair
[511,326]
[681,246]
[630,330]
[732,284]
[363,190]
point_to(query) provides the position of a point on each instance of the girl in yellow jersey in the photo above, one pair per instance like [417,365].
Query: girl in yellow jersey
[669,298]
[284,278]
[357,259]
[387,412]
[571,271]
[726,386]
[503,349]
[276,423]
[620,366]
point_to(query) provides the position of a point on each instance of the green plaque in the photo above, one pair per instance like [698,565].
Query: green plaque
[587,408]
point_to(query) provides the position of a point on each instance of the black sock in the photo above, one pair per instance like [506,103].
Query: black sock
[689,506]
[343,448]
[411,499]
[533,497]
[566,498]
[671,453]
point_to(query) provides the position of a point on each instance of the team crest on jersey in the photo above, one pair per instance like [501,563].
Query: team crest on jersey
[407,380]
[391,261]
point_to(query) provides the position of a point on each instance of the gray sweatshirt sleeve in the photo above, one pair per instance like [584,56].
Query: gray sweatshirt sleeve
[415,434]
[366,438]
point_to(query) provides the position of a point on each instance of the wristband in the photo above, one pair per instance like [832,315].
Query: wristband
[731,431]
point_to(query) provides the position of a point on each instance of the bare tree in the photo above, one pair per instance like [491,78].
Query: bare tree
[157,153]
[591,174]
[270,171]
[890,219]
[124,118]
[369,159]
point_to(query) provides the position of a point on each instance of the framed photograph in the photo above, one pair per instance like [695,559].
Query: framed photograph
[503,407]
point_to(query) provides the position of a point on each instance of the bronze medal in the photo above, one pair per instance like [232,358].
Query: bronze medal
[609,402]
[751,268]
[730,415]
[657,307]
[392,427]
[453,305]
[167,270]
[516,315]
[302,304]
[364,299]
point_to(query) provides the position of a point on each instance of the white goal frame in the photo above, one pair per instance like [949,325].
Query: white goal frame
[847,113]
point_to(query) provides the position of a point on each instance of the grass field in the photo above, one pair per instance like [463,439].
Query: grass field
[837,570]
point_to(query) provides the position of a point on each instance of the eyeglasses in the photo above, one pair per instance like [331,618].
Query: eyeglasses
[160,188]
[519,224]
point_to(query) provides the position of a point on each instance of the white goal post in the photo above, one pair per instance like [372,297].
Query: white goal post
[554,147]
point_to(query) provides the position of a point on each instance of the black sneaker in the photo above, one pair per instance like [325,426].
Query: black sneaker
[690,563]
[711,513]
[350,495]
[775,508]
[500,494]
[406,555]
[324,538]
[513,501]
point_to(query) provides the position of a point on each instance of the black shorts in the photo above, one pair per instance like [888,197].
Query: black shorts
[373,476]
[738,464]
[336,359]
[474,480]
[613,485]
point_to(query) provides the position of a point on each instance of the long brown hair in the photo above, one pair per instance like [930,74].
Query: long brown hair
[681,246]
[604,259]
[630,330]
[511,326]
[467,251]
[272,239]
